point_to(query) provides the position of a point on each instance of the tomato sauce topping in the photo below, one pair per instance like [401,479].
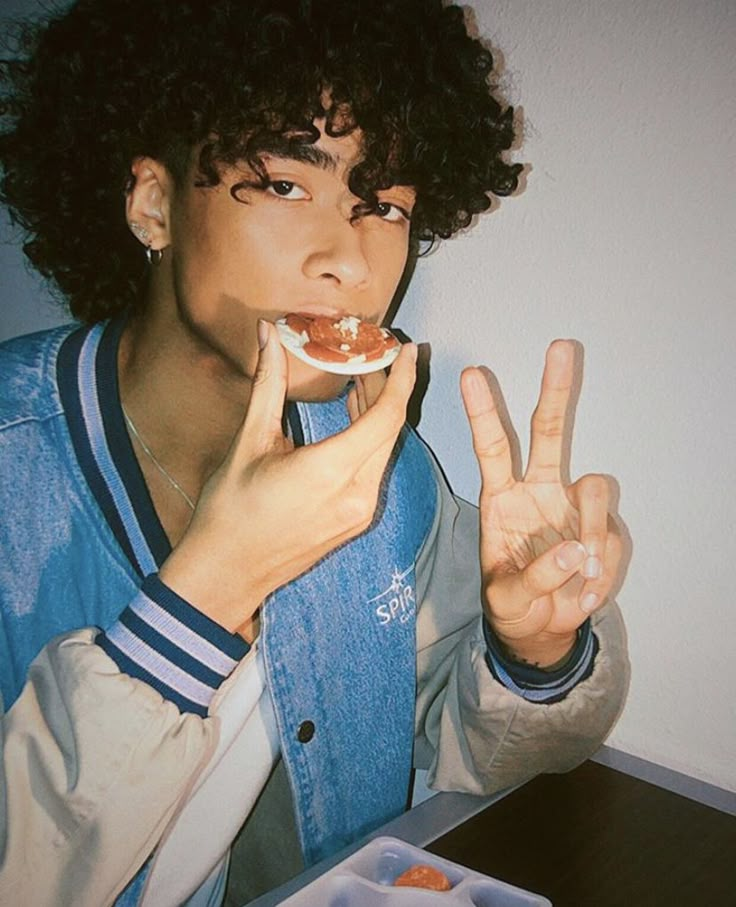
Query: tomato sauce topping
[341,339]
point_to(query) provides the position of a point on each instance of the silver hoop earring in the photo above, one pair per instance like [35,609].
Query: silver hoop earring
[154,256]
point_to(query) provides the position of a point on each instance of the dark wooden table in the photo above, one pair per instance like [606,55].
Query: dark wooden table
[596,837]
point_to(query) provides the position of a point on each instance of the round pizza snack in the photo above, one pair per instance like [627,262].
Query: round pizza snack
[423,876]
[341,344]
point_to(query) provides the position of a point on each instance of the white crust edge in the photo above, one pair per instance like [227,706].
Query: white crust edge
[294,343]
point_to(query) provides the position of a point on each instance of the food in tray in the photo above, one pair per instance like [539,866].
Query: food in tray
[342,344]
[420,875]
[367,877]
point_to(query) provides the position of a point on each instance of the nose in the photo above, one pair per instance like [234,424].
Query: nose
[337,252]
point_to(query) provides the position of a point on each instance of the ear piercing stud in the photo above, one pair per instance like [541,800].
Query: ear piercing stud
[143,235]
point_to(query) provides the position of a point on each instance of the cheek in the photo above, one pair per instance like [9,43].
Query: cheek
[389,255]
[211,245]
[213,314]
[219,289]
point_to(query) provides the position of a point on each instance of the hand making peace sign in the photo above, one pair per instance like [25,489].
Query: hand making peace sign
[549,552]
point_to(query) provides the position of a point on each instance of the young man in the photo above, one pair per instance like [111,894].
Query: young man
[239,601]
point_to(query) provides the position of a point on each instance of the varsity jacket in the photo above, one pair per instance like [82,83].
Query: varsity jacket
[139,734]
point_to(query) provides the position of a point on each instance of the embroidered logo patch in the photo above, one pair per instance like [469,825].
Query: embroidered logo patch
[397,602]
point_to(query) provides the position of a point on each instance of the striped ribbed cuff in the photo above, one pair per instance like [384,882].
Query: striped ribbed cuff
[537,684]
[161,639]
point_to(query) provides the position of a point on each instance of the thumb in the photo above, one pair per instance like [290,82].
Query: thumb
[263,420]
[512,595]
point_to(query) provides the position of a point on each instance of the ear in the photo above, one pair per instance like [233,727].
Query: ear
[147,203]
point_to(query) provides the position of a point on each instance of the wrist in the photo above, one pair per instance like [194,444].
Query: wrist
[546,652]
[538,683]
[231,605]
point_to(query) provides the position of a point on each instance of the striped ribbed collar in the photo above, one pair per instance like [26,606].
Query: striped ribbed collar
[88,383]
[87,375]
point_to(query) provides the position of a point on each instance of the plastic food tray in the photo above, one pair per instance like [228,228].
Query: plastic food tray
[365,879]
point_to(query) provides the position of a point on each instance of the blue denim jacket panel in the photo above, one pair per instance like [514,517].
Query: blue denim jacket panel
[340,648]
[27,387]
[56,549]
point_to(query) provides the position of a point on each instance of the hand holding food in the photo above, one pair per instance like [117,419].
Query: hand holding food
[271,510]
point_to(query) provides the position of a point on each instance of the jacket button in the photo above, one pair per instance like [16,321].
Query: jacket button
[305,732]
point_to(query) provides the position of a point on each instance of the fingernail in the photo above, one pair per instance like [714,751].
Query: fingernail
[570,555]
[592,568]
[262,333]
[589,602]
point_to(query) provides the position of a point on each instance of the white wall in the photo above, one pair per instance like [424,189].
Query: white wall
[625,238]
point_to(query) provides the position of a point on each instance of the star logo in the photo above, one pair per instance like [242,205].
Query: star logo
[396,602]
[397,581]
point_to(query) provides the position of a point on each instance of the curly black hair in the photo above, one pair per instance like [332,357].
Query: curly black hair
[110,80]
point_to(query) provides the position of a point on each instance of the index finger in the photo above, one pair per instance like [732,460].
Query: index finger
[548,421]
[366,390]
[379,426]
[490,441]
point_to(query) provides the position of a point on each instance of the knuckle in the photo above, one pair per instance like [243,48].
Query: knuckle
[492,448]
[531,580]
[356,510]
[324,476]
[595,534]
[549,425]
[596,486]
[263,373]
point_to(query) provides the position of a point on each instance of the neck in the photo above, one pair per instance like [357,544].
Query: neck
[185,401]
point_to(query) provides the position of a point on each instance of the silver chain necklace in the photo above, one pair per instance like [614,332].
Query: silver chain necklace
[149,453]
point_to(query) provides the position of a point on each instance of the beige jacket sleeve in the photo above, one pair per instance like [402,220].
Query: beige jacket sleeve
[94,764]
[473,734]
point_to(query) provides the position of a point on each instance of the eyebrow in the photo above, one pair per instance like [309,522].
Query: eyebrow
[305,154]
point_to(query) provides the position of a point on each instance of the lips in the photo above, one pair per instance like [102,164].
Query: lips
[315,310]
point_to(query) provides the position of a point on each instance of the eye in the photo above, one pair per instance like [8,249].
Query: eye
[391,213]
[286,189]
